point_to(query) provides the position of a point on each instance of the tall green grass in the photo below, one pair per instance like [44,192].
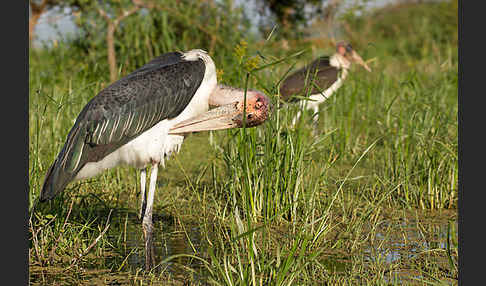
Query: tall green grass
[272,205]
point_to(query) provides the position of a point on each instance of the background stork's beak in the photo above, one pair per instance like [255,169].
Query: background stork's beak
[357,58]
[227,116]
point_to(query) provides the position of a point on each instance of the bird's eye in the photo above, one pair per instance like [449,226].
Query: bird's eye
[259,103]
[250,116]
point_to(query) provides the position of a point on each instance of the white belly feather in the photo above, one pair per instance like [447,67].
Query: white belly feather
[155,145]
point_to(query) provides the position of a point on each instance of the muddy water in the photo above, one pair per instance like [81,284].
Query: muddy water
[391,242]
[409,241]
[411,245]
[169,240]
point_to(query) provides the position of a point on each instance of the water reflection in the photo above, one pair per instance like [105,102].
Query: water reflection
[169,240]
[406,240]
[412,243]
[393,242]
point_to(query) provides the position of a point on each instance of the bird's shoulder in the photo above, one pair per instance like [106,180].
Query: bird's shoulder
[163,76]
[159,62]
[321,63]
[160,89]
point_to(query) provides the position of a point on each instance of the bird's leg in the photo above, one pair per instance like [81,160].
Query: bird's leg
[315,118]
[302,105]
[147,224]
[296,117]
[143,202]
[317,99]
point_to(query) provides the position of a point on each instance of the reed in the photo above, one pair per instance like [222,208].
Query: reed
[333,204]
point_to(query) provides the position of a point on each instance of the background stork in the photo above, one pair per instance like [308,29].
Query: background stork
[140,120]
[320,79]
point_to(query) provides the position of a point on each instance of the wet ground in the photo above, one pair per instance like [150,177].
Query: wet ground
[400,242]
[408,248]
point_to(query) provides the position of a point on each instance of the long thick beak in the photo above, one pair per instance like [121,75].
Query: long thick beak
[357,58]
[227,116]
[214,119]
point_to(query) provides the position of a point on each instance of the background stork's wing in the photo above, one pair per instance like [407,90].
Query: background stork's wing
[323,79]
[319,73]
[158,90]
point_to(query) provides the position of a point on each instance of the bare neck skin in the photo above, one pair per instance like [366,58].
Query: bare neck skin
[340,62]
[223,94]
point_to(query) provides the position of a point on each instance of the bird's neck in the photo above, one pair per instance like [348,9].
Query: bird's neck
[340,62]
[223,95]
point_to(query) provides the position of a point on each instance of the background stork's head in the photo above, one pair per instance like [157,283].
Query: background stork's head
[345,50]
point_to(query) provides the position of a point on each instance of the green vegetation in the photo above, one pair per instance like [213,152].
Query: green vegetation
[370,198]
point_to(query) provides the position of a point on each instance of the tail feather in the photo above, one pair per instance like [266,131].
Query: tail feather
[65,167]
[55,182]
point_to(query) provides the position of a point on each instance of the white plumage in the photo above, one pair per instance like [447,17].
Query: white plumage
[140,121]
[155,144]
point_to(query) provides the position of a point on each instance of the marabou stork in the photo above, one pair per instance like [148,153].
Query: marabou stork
[320,79]
[141,119]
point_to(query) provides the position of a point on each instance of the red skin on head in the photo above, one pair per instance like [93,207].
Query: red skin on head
[257,110]
[341,50]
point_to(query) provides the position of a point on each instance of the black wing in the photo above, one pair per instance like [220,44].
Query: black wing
[312,79]
[159,90]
